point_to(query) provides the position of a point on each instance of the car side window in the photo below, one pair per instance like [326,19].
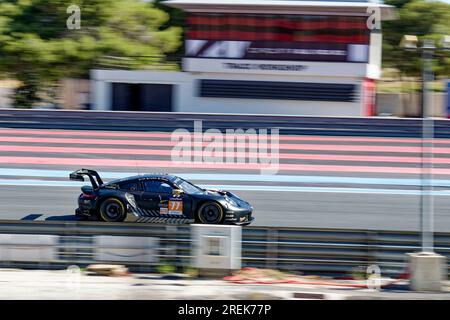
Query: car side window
[157,186]
[130,186]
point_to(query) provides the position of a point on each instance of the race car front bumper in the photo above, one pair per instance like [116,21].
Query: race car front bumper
[239,217]
[245,222]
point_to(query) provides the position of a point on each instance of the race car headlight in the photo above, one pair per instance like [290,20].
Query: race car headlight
[130,199]
[231,201]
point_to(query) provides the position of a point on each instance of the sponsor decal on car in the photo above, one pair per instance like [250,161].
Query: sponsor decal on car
[175,206]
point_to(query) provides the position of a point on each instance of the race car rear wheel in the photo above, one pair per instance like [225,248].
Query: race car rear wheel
[112,210]
[210,213]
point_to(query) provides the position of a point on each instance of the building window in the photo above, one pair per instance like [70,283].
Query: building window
[278,90]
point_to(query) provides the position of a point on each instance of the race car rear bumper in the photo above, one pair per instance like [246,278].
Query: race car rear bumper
[82,213]
[85,206]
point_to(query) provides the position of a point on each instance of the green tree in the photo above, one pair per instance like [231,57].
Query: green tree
[425,19]
[38,49]
[177,18]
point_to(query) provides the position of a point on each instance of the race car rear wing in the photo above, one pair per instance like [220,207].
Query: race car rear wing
[94,177]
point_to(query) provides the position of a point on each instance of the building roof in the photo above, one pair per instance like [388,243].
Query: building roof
[349,7]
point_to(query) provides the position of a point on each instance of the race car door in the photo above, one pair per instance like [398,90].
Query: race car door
[158,200]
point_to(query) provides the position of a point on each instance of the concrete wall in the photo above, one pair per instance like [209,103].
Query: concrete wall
[5,100]
[266,106]
[74,93]
[409,104]
[186,97]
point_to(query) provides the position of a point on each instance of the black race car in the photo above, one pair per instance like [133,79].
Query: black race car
[160,198]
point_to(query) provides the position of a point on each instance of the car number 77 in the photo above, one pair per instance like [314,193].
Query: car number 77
[176,207]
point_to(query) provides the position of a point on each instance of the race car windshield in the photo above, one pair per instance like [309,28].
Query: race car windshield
[187,186]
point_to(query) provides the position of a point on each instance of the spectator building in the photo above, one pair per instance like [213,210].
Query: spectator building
[289,57]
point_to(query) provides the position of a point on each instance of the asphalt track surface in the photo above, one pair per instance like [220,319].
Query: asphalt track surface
[323,181]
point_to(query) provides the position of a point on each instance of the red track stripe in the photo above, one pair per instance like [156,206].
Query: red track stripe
[160,152]
[324,147]
[167,135]
[245,166]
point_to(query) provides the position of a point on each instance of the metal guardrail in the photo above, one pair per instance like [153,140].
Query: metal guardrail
[333,252]
[76,245]
[169,121]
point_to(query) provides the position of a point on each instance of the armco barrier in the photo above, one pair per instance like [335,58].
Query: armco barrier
[126,249]
[310,251]
[28,248]
[160,121]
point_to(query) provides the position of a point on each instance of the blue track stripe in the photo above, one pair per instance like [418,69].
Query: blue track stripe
[233,177]
[45,183]
[324,190]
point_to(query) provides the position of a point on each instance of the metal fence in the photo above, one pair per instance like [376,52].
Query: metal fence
[334,252]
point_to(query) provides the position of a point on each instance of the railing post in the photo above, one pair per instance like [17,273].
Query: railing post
[371,247]
[171,251]
[272,249]
[217,249]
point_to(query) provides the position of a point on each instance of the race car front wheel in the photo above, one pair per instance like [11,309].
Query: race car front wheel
[210,213]
[112,210]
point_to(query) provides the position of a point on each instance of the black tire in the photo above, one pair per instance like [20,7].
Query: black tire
[112,210]
[210,212]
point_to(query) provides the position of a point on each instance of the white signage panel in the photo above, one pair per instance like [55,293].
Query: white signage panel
[216,246]
[307,68]
[278,51]
[126,249]
[28,247]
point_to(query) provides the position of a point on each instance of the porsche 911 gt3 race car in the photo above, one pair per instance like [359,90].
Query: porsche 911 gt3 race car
[159,198]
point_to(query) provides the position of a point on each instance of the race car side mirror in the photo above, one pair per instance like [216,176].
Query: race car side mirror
[177,192]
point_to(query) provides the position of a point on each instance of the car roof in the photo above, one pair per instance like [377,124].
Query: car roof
[146,176]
